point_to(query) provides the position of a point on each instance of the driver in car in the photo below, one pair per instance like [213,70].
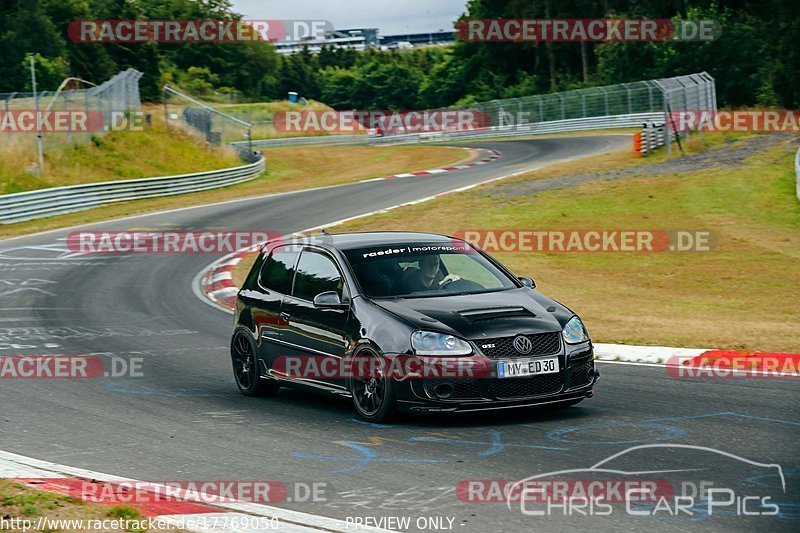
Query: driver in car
[428,276]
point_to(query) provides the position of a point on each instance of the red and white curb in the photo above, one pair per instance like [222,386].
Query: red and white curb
[704,362]
[186,509]
[494,155]
[657,355]
[215,282]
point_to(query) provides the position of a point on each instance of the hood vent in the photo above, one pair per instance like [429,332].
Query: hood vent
[475,315]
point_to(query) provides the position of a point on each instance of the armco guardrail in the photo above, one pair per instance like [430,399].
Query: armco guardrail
[22,206]
[797,173]
[634,120]
[624,105]
[538,128]
[652,137]
[328,140]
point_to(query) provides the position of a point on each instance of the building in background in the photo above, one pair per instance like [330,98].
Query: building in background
[417,39]
[362,38]
[356,39]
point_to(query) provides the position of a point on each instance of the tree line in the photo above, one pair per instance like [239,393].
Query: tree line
[755,61]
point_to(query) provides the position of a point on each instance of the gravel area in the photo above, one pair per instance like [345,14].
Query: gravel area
[730,154]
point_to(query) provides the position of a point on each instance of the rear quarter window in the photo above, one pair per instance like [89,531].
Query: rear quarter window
[278,270]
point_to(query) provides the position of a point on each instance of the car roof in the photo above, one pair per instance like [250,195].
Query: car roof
[349,241]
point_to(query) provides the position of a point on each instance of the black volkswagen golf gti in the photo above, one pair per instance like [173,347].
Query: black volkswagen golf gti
[405,321]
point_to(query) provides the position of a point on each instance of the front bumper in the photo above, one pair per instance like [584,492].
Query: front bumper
[576,380]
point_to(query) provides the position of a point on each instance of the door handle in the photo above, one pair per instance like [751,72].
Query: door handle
[285,316]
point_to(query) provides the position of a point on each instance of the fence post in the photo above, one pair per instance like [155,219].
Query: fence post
[605,97]
[630,102]
[86,107]
[10,134]
[685,104]
[665,105]
[39,139]
[166,113]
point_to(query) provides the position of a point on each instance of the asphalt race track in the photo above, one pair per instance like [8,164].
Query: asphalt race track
[185,420]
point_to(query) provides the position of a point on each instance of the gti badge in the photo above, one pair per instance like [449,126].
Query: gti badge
[523,344]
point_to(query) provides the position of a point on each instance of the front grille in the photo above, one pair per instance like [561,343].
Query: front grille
[463,389]
[526,387]
[543,344]
[582,374]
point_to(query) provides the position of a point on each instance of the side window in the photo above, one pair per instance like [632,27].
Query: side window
[276,274]
[316,273]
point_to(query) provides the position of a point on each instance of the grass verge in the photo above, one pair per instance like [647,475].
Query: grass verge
[118,155]
[21,508]
[288,169]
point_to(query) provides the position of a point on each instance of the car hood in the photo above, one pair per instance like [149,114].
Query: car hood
[481,316]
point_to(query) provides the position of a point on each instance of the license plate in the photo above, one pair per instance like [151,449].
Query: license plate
[528,367]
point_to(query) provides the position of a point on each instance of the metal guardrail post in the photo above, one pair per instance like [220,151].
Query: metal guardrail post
[797,172]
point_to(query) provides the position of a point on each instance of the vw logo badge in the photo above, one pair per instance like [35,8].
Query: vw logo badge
[523,344]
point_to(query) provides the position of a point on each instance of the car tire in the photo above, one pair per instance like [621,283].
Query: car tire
[245,369]
[373,395]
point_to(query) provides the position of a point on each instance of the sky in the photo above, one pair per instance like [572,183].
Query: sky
[389,16]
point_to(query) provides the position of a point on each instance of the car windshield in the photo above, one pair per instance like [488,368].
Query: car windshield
[424,270]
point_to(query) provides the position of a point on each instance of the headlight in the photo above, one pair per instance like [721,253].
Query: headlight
[574,331]
[430,343]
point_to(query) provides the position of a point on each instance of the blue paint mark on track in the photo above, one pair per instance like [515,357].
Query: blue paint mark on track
[494,445]
[368,456]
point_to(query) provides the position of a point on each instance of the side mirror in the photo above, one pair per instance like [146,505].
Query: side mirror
[528,282]
[328,300]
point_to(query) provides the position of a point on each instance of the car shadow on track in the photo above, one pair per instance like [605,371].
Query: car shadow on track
[510,417]
[294,402]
